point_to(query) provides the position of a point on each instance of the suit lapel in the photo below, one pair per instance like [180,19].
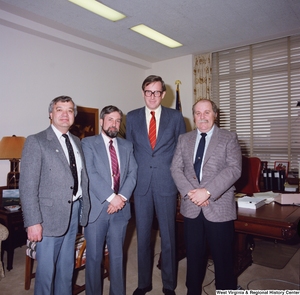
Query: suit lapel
[55,145]
[142,126]
[212,144]
[122,159]
[163,124]
[191,145]
[101,158]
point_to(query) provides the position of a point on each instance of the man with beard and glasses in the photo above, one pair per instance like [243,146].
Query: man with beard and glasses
[112,172]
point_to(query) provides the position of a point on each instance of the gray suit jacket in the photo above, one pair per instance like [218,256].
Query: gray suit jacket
[222,167]
[46,184]
[154,165]
[100,183]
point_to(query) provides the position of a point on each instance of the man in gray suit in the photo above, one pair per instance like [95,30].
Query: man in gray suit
[112,172]
[53,200]
[208,203]
[155,193]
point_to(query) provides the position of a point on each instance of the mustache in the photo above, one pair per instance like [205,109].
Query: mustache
[202,121]
[111,132]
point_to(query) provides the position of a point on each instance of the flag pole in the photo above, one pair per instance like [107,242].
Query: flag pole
[178,102]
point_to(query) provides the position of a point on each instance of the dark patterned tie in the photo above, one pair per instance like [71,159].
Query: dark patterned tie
[199,155]
[72,163]
[114,166]
[152,130]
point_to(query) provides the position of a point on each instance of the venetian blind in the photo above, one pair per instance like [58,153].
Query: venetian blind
[257,88]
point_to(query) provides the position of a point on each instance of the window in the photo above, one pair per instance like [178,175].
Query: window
[257,88]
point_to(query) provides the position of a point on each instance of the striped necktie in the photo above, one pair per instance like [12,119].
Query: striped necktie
[114,166]
[152,130]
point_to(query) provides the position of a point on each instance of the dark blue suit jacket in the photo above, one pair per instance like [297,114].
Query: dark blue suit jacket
[154,165]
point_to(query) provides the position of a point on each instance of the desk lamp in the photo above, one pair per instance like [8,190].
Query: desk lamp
[11,149]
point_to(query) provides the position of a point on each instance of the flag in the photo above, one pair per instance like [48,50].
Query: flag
[178,102]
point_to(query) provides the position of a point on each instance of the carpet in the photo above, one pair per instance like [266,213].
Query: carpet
[273,254]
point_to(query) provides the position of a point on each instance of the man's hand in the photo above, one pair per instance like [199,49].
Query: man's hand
[199,197]
[116,204]
[35,233]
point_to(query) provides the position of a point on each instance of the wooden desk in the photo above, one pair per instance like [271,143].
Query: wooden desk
[270,221]
[274,221]
[17,234]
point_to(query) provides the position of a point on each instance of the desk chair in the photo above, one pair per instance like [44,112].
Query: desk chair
[249,180]
[80,249]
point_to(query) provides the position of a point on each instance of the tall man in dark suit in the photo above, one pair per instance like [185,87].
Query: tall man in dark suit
[53,200]
[112,178]
[154,131]
[208,203]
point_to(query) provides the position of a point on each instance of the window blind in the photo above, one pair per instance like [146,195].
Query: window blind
[257,88]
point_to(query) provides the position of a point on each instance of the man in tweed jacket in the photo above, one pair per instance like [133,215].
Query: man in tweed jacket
[208,204]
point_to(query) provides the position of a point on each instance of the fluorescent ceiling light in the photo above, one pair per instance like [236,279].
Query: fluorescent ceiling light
[100,9]
[156,36]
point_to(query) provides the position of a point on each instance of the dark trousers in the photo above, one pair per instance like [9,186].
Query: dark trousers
[219,236]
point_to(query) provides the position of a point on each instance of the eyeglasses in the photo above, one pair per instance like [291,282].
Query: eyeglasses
[156,93]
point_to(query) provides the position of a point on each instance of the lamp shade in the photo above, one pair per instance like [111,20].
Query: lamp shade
[11,147]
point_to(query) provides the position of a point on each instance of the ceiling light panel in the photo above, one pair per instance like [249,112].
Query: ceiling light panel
[100,9]
[156,36]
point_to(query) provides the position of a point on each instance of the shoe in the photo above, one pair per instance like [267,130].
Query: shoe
[168,292]
[142,291]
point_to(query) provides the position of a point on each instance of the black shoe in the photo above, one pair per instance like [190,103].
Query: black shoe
[168,292]
[142,291]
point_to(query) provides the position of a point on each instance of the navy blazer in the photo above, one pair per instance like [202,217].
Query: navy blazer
[154,165]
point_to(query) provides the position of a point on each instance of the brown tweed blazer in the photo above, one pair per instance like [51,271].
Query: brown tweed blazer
[221,169]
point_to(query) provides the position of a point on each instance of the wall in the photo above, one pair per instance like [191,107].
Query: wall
[172,70]
[38,64]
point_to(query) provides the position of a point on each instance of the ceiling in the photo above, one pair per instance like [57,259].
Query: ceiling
[200,25]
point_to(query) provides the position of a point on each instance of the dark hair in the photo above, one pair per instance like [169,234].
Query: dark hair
[213,105]
[151,79]
[62,98]
[110,109]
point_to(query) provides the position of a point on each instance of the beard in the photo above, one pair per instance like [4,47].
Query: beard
[112,133]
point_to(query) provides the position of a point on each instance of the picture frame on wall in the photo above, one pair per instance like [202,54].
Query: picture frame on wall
[86,122]
[282,165]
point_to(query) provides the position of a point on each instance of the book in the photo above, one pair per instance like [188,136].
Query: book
[250,202]
[268,196]
[288,199]
[290,187]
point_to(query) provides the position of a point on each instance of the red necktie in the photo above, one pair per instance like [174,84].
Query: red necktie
[152,130]
[114,166]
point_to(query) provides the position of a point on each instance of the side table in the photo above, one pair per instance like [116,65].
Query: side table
[17,234]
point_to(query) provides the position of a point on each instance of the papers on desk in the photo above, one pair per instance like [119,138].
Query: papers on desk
[269,196]
[251,202]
